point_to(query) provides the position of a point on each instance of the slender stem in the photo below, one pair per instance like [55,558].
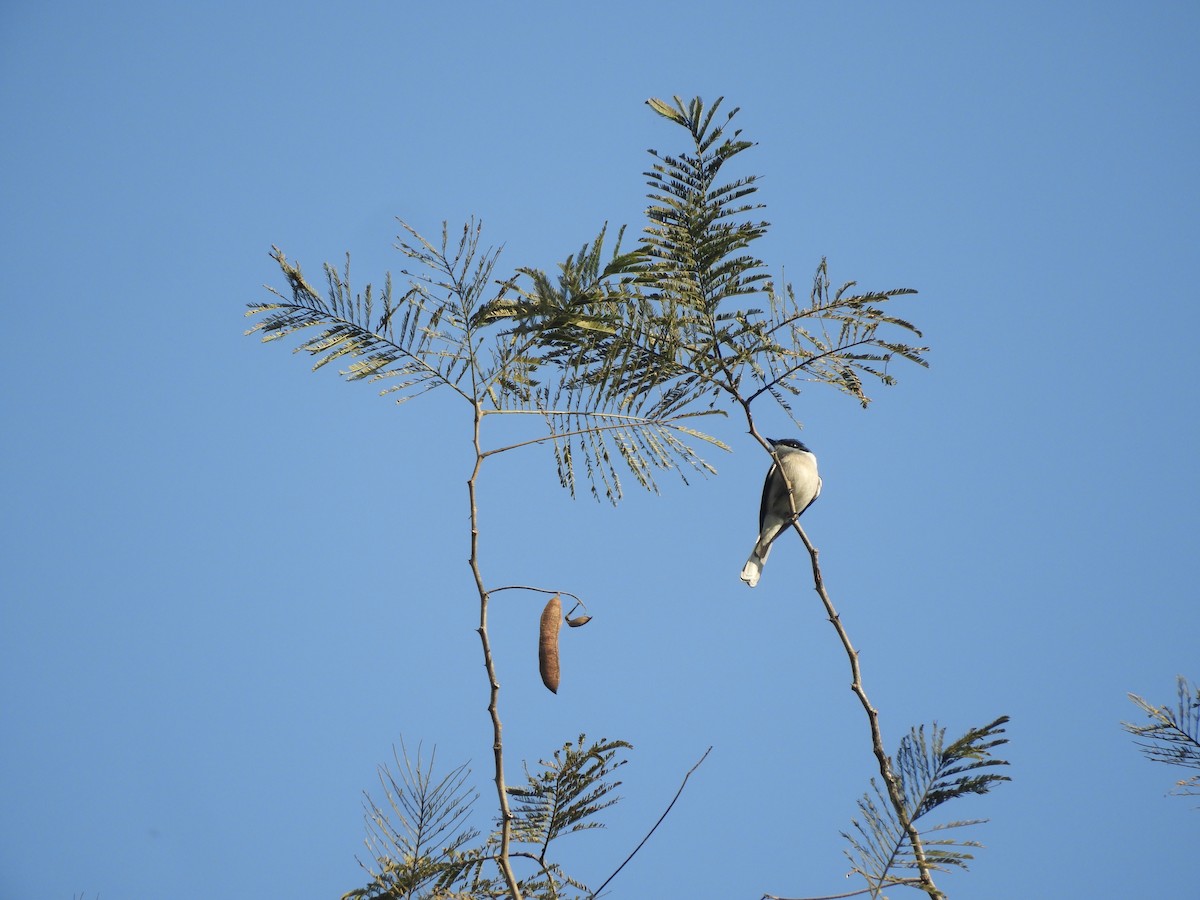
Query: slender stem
[526,587]
[502,860]
[832,351]
[656,824]
[856,685]
[858,893]
[885,764]
[541,861]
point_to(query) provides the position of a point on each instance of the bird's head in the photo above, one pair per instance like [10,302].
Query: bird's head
[789,442]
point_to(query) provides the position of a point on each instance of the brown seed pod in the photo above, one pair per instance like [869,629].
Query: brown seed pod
[578,621]
[548,643]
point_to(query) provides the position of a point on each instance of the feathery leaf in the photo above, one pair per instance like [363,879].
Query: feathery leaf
[421,841]
[930,774]
[1173,735]
[567,793]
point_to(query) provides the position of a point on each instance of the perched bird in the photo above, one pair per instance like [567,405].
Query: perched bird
[775,512]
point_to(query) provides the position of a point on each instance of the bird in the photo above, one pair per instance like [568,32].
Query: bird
[775,512]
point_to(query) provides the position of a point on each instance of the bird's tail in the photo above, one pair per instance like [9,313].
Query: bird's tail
[752,571]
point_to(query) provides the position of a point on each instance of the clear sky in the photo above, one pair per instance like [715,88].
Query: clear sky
[229,586]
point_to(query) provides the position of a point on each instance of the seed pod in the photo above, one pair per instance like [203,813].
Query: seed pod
[578,621]
[548,643]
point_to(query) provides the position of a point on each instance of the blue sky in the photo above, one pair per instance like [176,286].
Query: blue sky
[230,586]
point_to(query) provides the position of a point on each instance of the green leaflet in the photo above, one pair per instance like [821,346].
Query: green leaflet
[930,773]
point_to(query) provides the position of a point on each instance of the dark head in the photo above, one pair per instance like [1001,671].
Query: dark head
[789,442]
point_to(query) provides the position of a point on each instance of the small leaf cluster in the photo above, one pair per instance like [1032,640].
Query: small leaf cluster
[421,841]
[423,847]
[416,342]
[697,322]
[930,773]
[1172,735]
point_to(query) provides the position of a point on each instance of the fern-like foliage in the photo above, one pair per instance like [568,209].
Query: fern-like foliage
[566,793]
[423,848]
[646,430]
[930,773]
[697,319]
[416,342]
[618,353]
[832,339]
[1173,735]
[421,843]
[698,241]
[450,328]
[695,240]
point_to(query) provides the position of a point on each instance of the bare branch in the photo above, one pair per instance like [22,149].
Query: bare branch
[654,828]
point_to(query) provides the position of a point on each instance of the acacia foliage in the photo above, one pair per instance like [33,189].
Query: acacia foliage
[617,359]
[622,353]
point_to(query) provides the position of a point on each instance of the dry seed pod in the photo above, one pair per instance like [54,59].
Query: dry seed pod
[578,620]
[548,643]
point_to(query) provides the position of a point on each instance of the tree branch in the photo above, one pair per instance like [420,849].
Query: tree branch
[787,373]
[604,884]
[885,764]
[502,860]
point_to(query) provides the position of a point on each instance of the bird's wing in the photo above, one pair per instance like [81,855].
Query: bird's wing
[762,506]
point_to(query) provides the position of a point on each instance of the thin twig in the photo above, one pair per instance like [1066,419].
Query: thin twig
[867,890]
[857,893]
[884,762]
[541,861]
[832,351]
[525,587]
[603,885]
[881,757]
[506,815]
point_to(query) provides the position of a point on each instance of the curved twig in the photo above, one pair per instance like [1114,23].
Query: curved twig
[526,587]
[859,892]
[881,757]
[884,762]
[641,843]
